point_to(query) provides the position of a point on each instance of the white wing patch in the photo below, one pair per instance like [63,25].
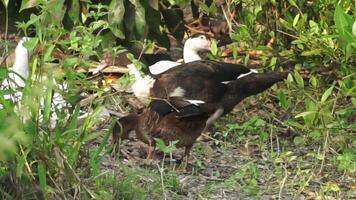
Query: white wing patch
[178,92]
[196,102]
[252,71]
[162,66]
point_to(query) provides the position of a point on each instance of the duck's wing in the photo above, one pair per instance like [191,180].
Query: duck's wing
[249,85]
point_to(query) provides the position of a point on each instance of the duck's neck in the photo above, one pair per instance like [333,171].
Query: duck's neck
[21,64]
[190,55]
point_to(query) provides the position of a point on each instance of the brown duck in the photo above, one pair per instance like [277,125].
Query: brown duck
[176,118]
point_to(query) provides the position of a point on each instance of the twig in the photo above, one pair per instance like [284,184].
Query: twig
[278,149]
[283,183]
[199,31]
[211,178]
[207,136]
[26,163]
[226,18]
[161,171]
[285,33]
[109,69]
[271,139]
[4,59]
[327,135]
[324,151]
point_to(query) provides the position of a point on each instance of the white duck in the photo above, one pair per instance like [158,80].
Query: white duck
[17,79]
[20,72]
[191,49]
[192,46]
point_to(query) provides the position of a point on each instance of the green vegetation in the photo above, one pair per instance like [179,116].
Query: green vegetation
[295,140]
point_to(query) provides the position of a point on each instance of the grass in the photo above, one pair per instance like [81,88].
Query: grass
[253,160]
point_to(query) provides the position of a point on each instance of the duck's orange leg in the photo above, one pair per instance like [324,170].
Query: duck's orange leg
[183,166]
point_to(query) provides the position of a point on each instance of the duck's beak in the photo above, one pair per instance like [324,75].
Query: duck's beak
[208,45]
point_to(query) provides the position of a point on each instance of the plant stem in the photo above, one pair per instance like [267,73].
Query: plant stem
[283,183]
[161,171]
[6,30]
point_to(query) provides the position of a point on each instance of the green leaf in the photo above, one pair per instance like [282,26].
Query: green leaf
[286,24]
[344,24]
[25,4]
[311,52]
[310,106]
[296,19]
[283,100]
[295,124]
[70,62]
[304,114]
[326,94]
[74,11]
[42,177]
[214,48]
[298,140]
[53,13]
[5,2]
[164,148]
[342,20]
[3,73]
[48,53]
[161,145]
[299,79]
[100,24]
[315,134]
[313,81]
[273,62]
[33,20]
[326,115]
[354,29]
[31,44]
[19,167]
[290,78]
[140,20]
[292,2]
[116,18]
[48,100]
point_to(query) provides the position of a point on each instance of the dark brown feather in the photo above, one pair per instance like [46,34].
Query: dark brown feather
[150,124]
[162,119]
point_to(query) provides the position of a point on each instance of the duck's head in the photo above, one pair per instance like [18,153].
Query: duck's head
[198,42]
[20,50]
[124,126]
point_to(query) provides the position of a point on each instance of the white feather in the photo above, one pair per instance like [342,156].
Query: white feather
[178,92]
[252,71]
[190,53]
[141,88]
[162,66]
[196,102]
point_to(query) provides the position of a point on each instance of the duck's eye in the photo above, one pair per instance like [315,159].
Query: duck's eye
[202,37]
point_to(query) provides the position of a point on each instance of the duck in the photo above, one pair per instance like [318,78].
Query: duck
[17,78]
[203,85]
[143,81]
[159,62]
[194,44]
[177,119]
[199,83]
[20,68]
